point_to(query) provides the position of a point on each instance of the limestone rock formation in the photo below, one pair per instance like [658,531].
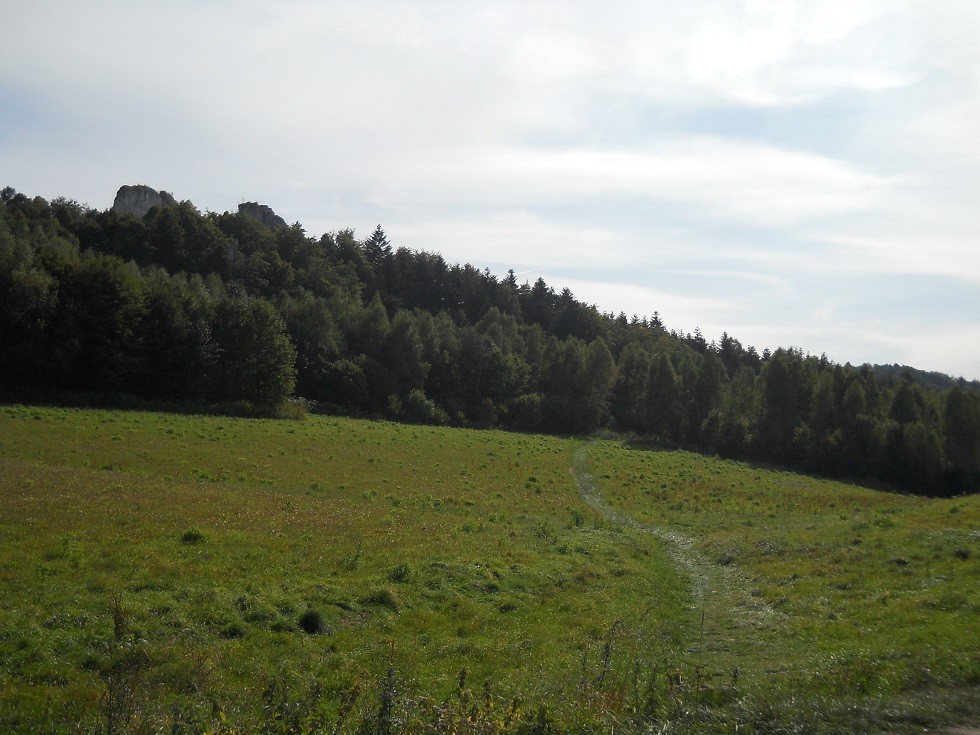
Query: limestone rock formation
[263,214]
[138,200]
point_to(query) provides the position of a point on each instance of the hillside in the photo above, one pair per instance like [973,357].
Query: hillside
[893,374]
[237,310]
[194,574]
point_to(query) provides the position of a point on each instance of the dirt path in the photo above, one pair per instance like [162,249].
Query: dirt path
[733,619]
[718,593]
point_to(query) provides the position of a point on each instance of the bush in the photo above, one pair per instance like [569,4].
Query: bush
[282,626]
[193,535]
[295,409]
[525,412]
[233,630]
[312,622]
[386,597]
[400,573]
[418,409]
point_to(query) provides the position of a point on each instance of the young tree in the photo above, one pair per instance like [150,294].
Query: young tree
[99,326]
[780,409]
[597,381]
[368,329]
[907,404]
[377,248]
[731,436]
[255,358]
[562,407]
[705,394]
[634,362]
[28,299]
[176,351]
[317,338]
[961,428]
[402,354]
[661,399]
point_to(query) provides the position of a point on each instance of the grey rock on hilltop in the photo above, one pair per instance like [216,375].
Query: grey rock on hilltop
[139,199]
[263,213]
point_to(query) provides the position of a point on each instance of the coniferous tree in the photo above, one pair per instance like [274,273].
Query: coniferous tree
[907,404]
[98,325]
[731,434]
[377,248]
[706,394]
[961,424]
[660,400]
[179,305]
[780,409]
[628,388]
[597,381]
[28,303]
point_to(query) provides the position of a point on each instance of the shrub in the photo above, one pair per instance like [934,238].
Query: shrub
[418,409]
[233,630]
[193,535]
[351,562]
[385,596]
[400,573]
[282,626]
[295,409]
[312,622]
[525,412]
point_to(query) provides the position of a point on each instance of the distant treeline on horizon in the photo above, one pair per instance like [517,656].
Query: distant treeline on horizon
[199,309]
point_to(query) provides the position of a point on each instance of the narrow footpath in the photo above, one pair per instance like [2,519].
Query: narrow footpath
[722,605]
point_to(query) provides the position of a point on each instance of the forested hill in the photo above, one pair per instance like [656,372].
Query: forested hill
[891,374]
[199,308]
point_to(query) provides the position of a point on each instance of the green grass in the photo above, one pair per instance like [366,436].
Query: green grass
[859,592]
[197,568]
[429,550]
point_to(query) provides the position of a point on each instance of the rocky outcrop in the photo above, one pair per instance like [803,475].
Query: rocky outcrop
[138,200]
[263,214]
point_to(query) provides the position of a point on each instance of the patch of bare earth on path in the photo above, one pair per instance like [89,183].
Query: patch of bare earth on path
[720,597]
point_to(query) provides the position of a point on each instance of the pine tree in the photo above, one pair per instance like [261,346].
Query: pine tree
[377,248]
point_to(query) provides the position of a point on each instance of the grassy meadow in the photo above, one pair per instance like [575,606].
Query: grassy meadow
[844,593]
[169,573]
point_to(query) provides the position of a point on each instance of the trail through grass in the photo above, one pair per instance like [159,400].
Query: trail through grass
[821,593]
[222,564]
[720,596]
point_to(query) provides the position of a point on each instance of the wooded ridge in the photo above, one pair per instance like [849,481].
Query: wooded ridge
[201,308]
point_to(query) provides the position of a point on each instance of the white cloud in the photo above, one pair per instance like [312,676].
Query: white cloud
[730,180]
[679,311]
[948,348]
[517,239]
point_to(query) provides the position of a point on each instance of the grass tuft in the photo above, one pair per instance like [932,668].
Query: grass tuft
[192,536]
[383,597]
[312,622]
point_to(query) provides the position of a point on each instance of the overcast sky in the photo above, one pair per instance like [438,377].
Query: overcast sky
[794,173]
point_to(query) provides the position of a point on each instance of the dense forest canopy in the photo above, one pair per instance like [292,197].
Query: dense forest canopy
[201,308]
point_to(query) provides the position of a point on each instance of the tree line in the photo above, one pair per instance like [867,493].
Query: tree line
[203,307]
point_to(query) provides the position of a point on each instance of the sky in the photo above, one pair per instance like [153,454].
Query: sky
[801,174]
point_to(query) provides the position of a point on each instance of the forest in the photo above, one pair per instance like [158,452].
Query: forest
[206,309]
